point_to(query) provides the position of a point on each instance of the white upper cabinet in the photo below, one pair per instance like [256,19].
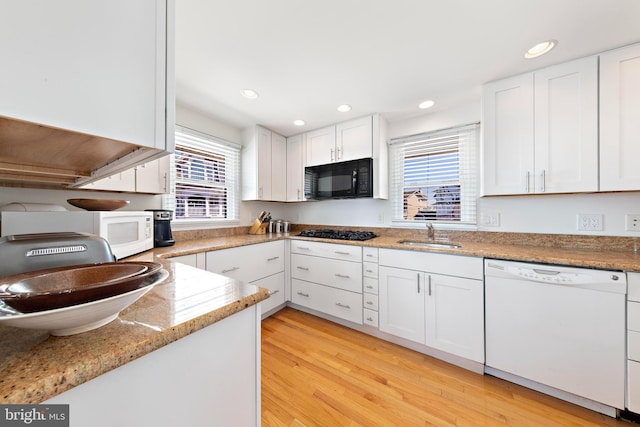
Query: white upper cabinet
[295,168]
[350,140]
[620,119]
[263,165]
[100,68]
[354,139]
[321,146]
[534,123]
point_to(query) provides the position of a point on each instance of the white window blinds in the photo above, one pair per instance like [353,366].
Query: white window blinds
[434,175]
[204,177]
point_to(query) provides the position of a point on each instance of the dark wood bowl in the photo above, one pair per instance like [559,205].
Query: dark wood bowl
[98,204]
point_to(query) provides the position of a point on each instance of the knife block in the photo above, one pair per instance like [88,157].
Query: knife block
[258,228]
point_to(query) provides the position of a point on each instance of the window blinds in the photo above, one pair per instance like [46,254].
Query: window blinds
[204,177]
[434,175]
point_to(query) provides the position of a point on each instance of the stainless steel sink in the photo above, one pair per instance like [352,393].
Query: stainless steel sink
[431,244]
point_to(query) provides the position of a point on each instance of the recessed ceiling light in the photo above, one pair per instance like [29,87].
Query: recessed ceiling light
[426,104]
[298,122]
[344,108]
[540,49]
[249,93]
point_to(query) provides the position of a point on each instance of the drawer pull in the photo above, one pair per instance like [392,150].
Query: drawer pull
[303,248]
[302,294]
[302,268]
[230,269]
[273,258]
[339,304]
[274,292]
[369,271]
[342,253]
[344,276]
[370,319]
[369,255]
[369,287]
[369,302]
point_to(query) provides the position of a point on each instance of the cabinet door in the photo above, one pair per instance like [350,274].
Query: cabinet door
[354,139]
[401,300]
[92,67]
[153,177]
[278,168]
[619,124]
[566,127]
[507,123]
[295,168]
[263,163]
[275,285]
[455,316]
[321,146]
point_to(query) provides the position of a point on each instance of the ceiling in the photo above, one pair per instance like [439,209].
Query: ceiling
[307,57]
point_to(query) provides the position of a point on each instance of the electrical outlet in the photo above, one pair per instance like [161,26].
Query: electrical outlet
[491,219]
[632,222]
[590,222]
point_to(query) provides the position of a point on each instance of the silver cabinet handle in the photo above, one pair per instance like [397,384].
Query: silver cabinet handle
[370,319]
[429,285]
[338,157]
[298,194]
[302,294]
[543,184]
[527,183]
[302,268]
[343,276]
[369,271]
[369,287]
[369,302]
[274,292]
[369,255]
[418,277]
[230,269]
[332,154]
[342,253]
[273,258]
[303,248]
[339,304]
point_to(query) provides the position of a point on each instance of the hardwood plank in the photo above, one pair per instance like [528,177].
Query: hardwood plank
[318,373]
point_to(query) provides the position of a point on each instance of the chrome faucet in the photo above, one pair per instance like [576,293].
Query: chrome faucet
[431,233]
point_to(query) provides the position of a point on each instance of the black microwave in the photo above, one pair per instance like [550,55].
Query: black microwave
[341,180]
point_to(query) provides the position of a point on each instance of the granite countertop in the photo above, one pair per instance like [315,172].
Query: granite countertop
[37,366]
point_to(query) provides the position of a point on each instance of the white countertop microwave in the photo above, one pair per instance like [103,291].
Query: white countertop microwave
[128,232]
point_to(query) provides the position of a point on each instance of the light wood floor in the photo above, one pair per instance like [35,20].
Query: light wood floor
[318,373]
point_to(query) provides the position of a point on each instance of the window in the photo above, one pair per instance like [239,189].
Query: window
[205,173]
[433,176]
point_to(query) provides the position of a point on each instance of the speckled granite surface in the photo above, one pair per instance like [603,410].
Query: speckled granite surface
[36,366]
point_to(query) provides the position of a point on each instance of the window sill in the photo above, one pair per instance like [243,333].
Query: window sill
[436,224]
[199,224]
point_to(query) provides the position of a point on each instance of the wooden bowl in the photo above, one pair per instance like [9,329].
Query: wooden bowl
[98,204]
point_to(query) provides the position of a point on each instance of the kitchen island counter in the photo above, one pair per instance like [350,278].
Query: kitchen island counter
[37,366]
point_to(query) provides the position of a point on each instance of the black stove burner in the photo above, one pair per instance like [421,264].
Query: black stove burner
[338,234]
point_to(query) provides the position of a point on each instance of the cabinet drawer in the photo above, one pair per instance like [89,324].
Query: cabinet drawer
[633,345]
[370,269]
[449,265]
[370,285]
[633,287]
[369,254]
[335,302]
[275,285]
[370,301]
[370,318]
[338,274]
[327,250]
[248,263]
[633,316]
[633,386]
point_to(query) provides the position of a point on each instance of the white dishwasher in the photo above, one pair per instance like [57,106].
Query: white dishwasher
[558,327]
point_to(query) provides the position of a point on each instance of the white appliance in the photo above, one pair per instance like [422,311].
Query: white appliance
[560,330]
[128,232]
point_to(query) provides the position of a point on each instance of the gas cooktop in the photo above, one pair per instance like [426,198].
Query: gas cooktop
[338,234]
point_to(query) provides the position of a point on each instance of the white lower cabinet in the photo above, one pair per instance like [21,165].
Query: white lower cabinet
[327,277]
[433,299]
[260,264]
[633,342]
